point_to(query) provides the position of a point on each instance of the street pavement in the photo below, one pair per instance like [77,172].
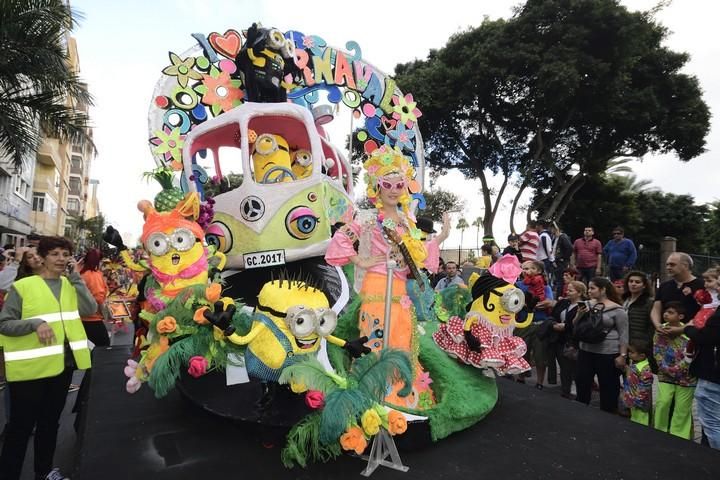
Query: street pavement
[67,445]
[65,453]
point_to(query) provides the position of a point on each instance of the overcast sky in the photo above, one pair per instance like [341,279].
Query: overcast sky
[123,47]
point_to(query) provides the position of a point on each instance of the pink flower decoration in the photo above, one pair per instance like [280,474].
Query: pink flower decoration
[424,381]
[508,268]
[133,385]
[130,368]
[314,399]
[197,366]
[405,302]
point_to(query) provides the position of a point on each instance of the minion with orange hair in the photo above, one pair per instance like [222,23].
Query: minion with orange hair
[372,240]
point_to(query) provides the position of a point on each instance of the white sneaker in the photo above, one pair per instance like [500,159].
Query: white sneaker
[56,475]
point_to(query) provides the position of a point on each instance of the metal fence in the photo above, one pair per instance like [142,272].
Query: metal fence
[703,262]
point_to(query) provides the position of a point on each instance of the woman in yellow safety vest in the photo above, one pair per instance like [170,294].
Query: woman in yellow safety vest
[44,341]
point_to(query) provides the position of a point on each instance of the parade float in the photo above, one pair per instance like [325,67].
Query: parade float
[243,313]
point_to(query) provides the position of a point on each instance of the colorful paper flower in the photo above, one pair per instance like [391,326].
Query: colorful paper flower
[212,292]
[199,316]
[397,424]
[166,325]
[297,387]
[197,366]
[353,439]
[405,302]
[371,422]
[424,381]
[403,137]
[182,69]
[315,399]
[220,92]
[169,144]
[405,109]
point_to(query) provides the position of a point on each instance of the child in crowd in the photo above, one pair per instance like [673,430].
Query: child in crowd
[708,297]
[534,279]
[513,247]
[676,383]
[486,257]
[637,387]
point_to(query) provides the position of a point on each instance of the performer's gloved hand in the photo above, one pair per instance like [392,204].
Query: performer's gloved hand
[221,317]
[531,301]
[472,342]
[113,237]
[357,348]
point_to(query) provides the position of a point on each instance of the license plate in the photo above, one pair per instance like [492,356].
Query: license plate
[264,259]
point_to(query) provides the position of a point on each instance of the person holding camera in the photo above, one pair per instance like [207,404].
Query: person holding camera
[601,352]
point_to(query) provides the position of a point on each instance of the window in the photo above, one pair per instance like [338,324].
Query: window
[76,164]
[38,204]
[74,186]
[73,205]
[22,188]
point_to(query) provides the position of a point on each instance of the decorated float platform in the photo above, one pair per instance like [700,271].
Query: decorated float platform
[529,434]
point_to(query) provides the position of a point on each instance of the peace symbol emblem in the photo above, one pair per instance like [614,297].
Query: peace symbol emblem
[252,208]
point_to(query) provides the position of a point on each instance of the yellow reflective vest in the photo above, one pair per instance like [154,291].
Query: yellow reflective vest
[26,358]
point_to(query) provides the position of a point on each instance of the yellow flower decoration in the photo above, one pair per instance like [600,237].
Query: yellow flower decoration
[182,69]
[371,422]
[298,387]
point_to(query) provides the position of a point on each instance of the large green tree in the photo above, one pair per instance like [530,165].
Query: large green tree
[548,97]
[37,84]
[646,215]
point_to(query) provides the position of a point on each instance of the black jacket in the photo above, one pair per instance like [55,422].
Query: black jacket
[563,304]
[706,364]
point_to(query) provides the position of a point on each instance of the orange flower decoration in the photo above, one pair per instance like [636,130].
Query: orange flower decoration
[166,325]
[212,293]
[353,439]
[199,316]
[397,424]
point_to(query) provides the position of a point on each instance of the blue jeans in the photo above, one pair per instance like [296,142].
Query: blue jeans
[587,274]
[707,396]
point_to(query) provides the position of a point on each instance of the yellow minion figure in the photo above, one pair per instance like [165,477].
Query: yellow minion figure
[289,321]
[485,337]
[302,163]
[271,159]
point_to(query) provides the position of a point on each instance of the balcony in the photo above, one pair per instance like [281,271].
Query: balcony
[49,153]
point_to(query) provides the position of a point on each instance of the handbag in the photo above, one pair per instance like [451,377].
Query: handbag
[589,328]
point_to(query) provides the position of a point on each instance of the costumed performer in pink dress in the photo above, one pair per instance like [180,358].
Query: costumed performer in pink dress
[389,177]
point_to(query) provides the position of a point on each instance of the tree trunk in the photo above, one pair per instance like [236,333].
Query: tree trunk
[561,210]
[562,194]
[520,191]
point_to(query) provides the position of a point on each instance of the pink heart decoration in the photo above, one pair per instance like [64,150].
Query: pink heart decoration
[389,124]
[228,44]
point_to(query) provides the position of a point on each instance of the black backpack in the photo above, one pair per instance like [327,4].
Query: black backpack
[589,327]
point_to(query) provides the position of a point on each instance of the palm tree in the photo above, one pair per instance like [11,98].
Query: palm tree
[477,223]
[37,83]
[461,225]
[86,232]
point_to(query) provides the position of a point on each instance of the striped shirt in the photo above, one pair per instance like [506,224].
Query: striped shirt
[529,241]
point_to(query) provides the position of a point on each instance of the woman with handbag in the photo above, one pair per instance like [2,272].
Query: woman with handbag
[603,341]
[566,351]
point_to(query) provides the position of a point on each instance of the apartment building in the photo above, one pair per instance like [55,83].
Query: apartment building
[15,199]
[61,185]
